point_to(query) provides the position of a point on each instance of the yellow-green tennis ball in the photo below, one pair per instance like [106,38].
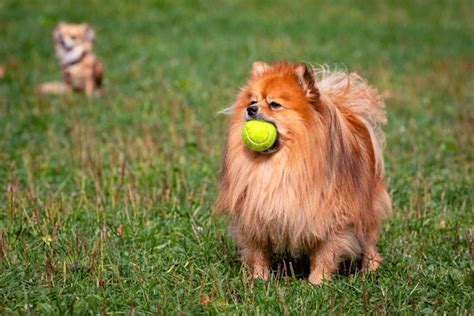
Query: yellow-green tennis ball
[259,135]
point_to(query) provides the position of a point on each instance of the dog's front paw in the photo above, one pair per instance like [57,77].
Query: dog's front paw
[372,263]
[260,273]
[318,278]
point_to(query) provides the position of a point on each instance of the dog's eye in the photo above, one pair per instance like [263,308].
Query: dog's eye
[253,102]
[73,37]
[275,105]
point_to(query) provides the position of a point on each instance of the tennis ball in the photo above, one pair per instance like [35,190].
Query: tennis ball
[259,135]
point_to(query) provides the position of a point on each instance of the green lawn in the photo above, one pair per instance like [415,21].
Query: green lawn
[106,204]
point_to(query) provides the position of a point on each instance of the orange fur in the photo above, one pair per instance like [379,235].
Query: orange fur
[322,193]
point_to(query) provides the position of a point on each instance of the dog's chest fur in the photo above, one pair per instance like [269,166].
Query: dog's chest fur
[76,73]
[276,204]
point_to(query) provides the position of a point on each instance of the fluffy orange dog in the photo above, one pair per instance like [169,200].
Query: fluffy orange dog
[320,191]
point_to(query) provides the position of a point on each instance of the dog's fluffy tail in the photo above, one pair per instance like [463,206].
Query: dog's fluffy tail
[352,92]
[53,88]
[356,95]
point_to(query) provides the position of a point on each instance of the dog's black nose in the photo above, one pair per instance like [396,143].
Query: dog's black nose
[252,110]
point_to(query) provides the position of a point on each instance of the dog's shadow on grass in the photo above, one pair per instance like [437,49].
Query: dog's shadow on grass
[284,266]
[299,268]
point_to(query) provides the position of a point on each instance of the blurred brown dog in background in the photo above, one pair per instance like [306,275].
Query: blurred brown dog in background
[82,70]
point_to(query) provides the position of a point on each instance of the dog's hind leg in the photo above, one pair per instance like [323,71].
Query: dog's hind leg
[371,259]
[328,254]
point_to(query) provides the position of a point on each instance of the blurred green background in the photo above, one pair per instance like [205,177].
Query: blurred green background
[105,204]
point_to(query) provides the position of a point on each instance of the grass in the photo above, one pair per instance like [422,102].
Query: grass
[105,204]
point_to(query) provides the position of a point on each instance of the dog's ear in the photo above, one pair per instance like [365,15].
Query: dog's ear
[56,32]
[307,80]
[258,68]
[89,32]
